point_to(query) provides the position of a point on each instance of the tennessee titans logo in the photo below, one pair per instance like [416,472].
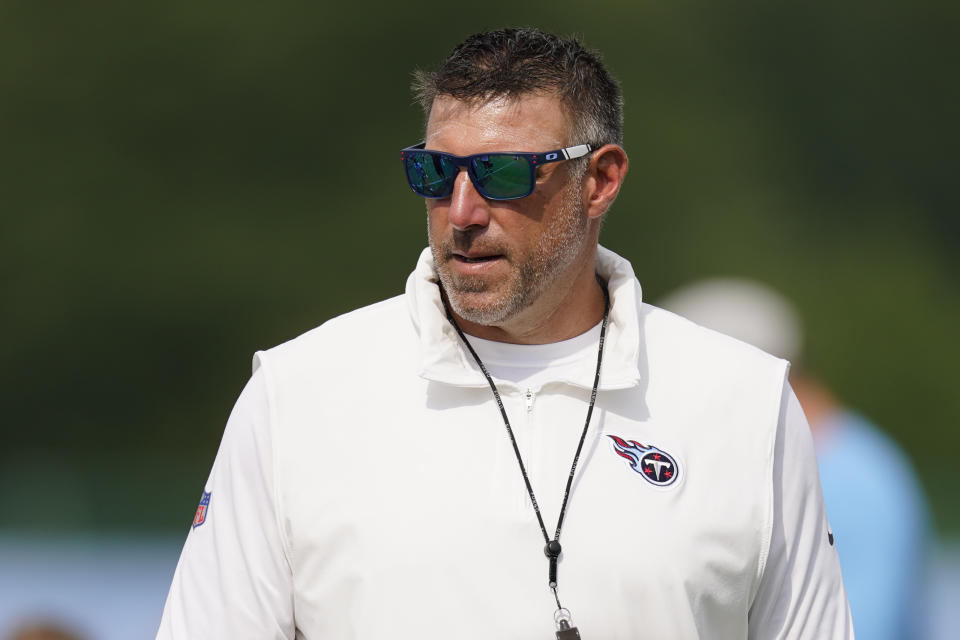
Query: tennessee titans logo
[202,508]
[657,466]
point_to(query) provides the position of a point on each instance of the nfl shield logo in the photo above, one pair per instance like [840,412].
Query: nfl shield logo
[202,509]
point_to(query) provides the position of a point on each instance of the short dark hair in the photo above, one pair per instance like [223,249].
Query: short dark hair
[513,62]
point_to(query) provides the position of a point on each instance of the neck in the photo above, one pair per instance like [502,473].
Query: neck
[555,316]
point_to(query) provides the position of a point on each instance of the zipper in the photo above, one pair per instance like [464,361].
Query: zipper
[530,437]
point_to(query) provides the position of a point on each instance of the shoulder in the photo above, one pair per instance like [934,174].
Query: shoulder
[674,342]
[346,340]
[847,431]
[715,392]
[857,460]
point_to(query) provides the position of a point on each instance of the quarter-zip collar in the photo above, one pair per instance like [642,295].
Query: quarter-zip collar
[444,359]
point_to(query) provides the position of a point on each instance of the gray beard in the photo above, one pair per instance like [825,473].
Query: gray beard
[557,249]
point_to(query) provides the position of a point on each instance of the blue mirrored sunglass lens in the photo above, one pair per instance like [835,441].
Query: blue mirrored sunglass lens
[431,175]
[503,175]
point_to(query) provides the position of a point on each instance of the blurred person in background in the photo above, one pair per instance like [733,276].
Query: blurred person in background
[42,630]
[875,503]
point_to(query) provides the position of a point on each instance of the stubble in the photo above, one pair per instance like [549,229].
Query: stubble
[530,275]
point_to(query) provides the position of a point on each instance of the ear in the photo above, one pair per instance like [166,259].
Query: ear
[607,170]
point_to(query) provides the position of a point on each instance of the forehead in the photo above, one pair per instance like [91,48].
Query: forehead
[534,122]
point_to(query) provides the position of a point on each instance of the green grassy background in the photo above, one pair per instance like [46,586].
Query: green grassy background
[182,184]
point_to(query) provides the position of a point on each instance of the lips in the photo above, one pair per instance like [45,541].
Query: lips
[470,256]
[477,263]
[476,259]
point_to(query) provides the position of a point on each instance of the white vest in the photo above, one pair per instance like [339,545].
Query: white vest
[366,489]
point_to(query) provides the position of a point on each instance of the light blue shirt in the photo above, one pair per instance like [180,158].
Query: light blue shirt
[879,517]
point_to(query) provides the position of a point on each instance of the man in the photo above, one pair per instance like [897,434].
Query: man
[410,469]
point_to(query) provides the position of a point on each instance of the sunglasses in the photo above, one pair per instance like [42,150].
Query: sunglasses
[496,176]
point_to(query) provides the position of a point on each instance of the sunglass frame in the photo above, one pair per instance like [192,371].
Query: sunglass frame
[534,160]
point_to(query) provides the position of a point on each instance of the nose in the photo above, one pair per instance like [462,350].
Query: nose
[467,207]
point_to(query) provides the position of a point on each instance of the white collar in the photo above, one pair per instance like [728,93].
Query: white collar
[444,358]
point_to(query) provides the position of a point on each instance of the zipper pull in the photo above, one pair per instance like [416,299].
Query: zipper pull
[529,397]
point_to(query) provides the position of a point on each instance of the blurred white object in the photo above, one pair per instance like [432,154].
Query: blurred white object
[744,309]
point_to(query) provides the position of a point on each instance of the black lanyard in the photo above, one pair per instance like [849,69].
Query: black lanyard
[552,548]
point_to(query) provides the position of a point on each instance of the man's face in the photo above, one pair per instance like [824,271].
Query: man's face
[496,258]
